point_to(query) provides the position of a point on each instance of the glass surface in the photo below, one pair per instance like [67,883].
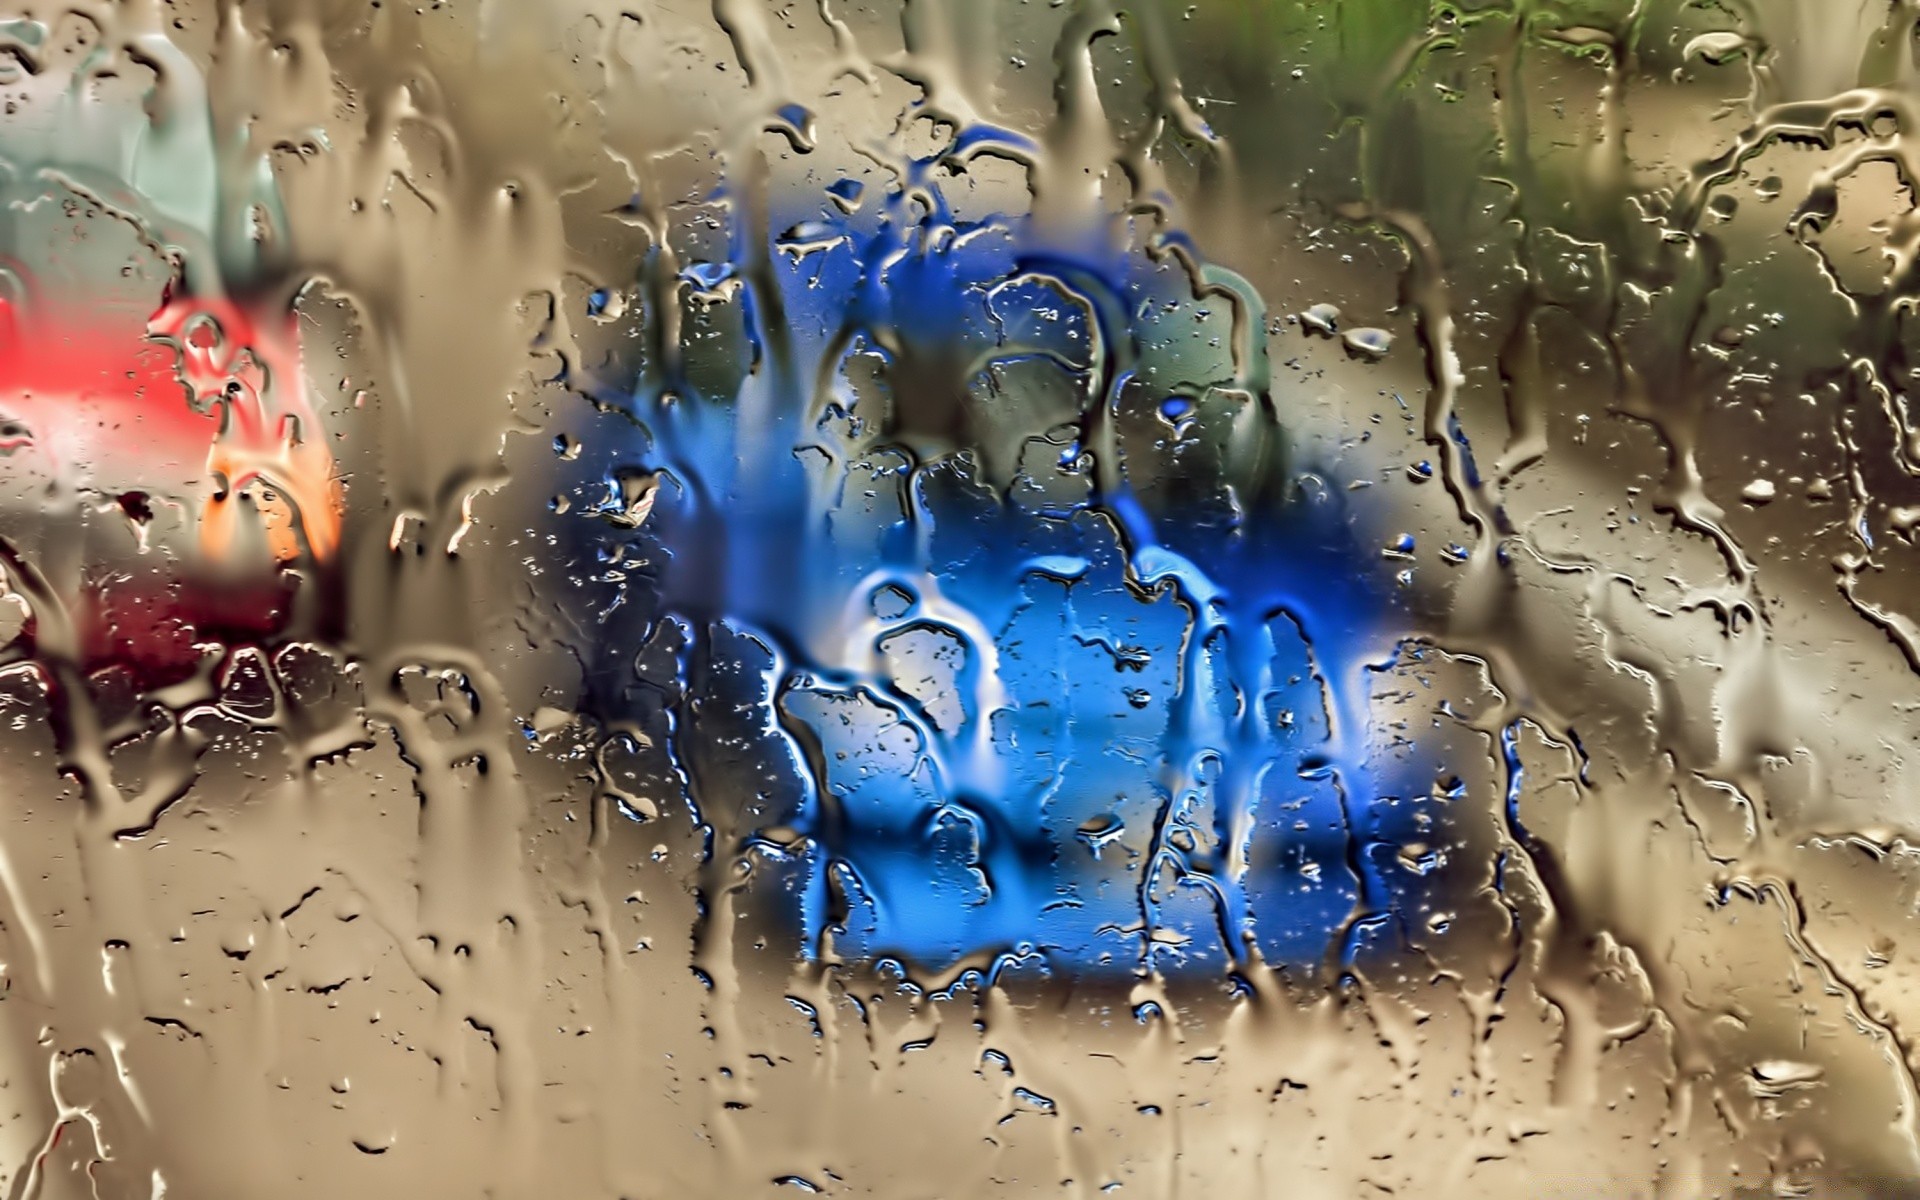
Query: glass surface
[1255,598]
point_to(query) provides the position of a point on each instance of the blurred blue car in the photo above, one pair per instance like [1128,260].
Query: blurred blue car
[968,575]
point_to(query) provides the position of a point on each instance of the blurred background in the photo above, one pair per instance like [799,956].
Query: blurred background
[1300,598]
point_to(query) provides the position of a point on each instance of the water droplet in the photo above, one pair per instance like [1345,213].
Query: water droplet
[1369,344]
[1323,319]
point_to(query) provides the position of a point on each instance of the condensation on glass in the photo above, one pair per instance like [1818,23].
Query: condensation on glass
[1305,598]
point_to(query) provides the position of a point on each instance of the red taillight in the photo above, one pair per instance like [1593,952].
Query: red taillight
[200,398]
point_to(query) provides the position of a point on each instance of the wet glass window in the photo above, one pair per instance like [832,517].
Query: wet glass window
[959,598]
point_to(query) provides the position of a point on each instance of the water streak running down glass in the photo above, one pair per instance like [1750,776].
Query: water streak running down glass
[950,598]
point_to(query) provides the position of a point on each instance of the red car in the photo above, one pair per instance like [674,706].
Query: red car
[190,420]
